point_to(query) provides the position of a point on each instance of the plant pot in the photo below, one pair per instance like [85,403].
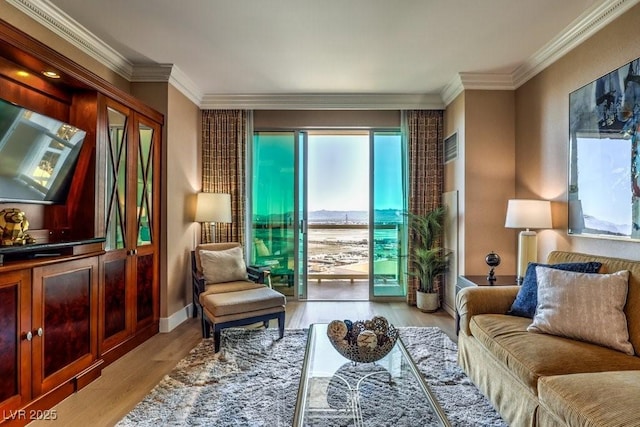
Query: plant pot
[427,302]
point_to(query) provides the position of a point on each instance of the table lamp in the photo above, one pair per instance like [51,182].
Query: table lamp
[527,214]
[212,208]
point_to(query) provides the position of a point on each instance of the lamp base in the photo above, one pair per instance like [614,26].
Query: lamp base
[527,251]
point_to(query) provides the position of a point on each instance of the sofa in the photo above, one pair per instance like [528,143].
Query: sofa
[537,378]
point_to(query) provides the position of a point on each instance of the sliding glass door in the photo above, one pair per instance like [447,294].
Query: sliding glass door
[387,241]
[279,214]
[273,207]
[301,215]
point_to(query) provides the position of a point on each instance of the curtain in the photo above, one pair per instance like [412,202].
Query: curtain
[426,171]
[223,168]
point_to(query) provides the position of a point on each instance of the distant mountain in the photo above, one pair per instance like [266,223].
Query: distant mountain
[353,217]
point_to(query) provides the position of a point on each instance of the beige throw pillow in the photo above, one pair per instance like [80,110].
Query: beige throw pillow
[223,266]
[583,306]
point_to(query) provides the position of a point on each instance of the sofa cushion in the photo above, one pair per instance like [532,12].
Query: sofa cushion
[527,299]
[223,266]
[610,265]
[599,399]
[530,356]
[582,306]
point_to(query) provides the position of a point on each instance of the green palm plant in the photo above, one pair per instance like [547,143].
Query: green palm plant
[427,262]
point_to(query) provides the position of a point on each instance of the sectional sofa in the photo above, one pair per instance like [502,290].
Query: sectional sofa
[587,374]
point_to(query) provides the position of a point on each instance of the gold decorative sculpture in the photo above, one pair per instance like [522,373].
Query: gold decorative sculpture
[13,228]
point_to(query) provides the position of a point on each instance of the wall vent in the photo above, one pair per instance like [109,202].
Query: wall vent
[451,148]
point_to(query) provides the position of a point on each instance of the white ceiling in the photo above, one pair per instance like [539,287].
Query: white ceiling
[221,49]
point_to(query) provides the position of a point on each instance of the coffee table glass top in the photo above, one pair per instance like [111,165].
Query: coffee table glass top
[335,391]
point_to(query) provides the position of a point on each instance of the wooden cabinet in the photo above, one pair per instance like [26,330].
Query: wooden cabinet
[129,294]
[15,339]
[64,315]
[64,318]
[48,339]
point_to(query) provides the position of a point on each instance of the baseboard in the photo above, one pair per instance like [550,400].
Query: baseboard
[168,324]
[450,310]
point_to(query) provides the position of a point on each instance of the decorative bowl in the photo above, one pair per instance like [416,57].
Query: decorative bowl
[362,341]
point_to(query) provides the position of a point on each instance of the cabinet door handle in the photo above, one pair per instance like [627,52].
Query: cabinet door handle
[40,332]
[28,336]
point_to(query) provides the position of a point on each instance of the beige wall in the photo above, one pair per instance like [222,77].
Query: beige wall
[264,119]
[454,181]
[180,180]
[542,109]
[183,176]
[483,174]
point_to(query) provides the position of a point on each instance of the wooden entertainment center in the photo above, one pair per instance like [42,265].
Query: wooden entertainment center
[88,291]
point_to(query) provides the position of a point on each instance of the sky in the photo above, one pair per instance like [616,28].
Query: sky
[338,173]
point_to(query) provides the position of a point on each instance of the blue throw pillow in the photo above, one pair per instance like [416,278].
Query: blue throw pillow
[527,298]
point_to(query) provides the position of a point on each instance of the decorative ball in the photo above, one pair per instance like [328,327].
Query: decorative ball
[367,339]
[492,259]
[337,330]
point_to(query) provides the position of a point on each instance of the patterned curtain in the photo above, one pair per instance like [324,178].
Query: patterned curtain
[223,168]
[426,171]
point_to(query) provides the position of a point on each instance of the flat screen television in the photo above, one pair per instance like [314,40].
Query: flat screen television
[38,155]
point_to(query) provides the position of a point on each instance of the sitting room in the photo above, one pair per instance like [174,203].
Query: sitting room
[319,214]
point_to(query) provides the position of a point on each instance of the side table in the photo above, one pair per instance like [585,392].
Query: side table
[468,281]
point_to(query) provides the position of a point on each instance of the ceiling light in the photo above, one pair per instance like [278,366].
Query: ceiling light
[22,73]
[51,74]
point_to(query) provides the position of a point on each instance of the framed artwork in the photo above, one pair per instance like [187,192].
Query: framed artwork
[604,162]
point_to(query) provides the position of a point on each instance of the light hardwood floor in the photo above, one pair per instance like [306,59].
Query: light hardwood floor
[126,381]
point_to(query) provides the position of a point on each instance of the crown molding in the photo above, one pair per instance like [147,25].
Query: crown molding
[48,15]
[577,32]
[186,86]
[478,81]
[599,15]
[335,101]
[167,73]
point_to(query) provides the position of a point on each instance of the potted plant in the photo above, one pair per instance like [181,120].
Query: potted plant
[426,260]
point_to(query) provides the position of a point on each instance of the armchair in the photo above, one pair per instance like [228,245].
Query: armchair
[228,293]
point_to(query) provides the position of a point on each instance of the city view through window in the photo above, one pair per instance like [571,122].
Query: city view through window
[352,195]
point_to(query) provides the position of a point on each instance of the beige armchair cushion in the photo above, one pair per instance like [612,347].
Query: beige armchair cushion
[223,266]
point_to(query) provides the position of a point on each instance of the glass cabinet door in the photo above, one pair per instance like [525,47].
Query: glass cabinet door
[144,185]
[116,179]
[146,210]
[129,292]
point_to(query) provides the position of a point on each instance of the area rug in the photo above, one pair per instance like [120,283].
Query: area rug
[253,382]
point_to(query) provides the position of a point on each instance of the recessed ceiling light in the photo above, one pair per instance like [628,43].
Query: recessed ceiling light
[51,74]
[22,73]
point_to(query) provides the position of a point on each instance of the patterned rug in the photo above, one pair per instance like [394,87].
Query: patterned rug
[253,382]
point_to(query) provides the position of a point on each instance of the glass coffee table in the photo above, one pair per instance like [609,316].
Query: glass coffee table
[335,391]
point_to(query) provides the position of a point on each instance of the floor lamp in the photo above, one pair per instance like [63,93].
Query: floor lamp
[527,214]
[212,208]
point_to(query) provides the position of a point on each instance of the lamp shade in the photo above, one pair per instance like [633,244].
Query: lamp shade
[213,207]
[527,214]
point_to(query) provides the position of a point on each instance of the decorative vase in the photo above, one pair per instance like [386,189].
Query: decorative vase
[427,302]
